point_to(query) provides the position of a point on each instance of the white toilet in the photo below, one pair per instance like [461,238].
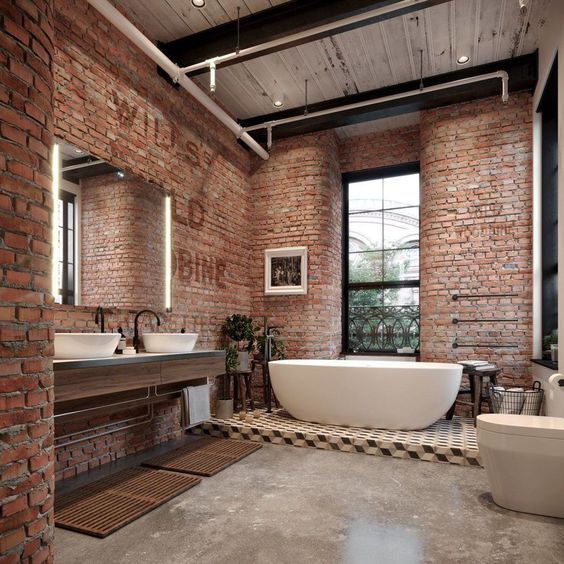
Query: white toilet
[524,457]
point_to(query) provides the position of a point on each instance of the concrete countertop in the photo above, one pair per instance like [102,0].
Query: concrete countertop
[546,363]
[142,357]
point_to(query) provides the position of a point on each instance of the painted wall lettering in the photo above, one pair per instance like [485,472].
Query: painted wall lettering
[196,214]
[202,270]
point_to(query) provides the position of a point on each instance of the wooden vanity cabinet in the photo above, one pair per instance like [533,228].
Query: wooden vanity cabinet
[88,380]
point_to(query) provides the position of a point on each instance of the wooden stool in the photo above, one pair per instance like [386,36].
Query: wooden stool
[267,392]
[476,391]
[242,386]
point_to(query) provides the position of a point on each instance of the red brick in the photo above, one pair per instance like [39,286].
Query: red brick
[10,540]
[16,241]
[18,278]
[28,314]
[38,461]
[38,334]
[7,313]
[13,506]
[11,334]
[18,296]
[5,202]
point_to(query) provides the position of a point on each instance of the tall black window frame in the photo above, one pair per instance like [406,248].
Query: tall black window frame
[67,247]
[548,107]
[347,179]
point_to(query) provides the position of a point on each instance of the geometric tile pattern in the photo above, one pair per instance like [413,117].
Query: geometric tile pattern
[452,442]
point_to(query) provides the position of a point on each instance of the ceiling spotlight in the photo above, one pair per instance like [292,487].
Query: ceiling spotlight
[78,151]
[278,97]
[463,59]
[198,3]
[523,5]
[120,174]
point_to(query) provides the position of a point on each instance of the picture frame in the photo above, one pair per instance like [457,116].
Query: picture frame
[285,271]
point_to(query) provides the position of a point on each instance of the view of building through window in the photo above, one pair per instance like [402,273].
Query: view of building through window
[383,263]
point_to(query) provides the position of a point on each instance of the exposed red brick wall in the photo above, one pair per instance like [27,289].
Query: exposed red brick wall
[297,202]
[87,455]
[122,253]
[476,230]
[379,149]
[26,382]
[110,102]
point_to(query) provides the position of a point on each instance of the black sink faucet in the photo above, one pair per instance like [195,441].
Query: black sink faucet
[136,340]
[99,318]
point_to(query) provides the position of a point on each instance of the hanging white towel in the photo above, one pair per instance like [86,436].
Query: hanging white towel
[195,405]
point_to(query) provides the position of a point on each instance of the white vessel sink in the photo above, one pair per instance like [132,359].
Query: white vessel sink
[85,345]
[169,342]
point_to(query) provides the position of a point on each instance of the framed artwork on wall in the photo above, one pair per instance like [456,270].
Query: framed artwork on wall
[285,271]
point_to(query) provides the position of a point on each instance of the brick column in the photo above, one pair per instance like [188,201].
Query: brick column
[476,231]
[26,381]
[297,197]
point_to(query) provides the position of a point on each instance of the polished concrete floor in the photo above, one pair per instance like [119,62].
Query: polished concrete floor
[296,506]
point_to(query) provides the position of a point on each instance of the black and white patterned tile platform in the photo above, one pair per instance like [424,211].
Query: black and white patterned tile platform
[453,442]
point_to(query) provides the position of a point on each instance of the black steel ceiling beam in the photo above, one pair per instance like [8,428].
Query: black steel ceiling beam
[77,174]
[276,23]
[522,71]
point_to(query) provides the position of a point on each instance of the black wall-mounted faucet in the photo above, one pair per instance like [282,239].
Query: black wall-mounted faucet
[136,339]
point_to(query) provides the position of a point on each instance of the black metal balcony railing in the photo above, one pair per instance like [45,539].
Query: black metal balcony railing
[383,328]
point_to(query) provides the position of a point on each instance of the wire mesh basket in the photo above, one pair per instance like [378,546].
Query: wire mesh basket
[517,401]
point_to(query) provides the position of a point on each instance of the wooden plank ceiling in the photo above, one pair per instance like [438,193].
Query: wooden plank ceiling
[371,57]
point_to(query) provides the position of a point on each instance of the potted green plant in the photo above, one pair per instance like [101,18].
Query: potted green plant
[224,407]
[241,331]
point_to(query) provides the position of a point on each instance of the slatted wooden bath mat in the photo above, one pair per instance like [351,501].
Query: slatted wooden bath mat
[109,504]
[205,457]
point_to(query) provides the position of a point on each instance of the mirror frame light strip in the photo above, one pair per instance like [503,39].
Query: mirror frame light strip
[55,186]
[168,253]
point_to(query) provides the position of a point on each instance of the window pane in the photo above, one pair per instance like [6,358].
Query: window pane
[401,265]
[365,231]
[70,276]
[365,267]
[59,276]
[60,239]
[365,297]
[401,191]
[401,228]
[365,195]
[70,243]
[401,296]
[70,211]
[60,213]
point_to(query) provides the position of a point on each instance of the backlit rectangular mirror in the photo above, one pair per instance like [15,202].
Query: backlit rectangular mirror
[113,234]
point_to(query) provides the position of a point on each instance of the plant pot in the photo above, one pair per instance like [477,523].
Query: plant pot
[224,409]
[243,361]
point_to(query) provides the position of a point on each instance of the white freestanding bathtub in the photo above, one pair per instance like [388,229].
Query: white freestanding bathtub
[365,393]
